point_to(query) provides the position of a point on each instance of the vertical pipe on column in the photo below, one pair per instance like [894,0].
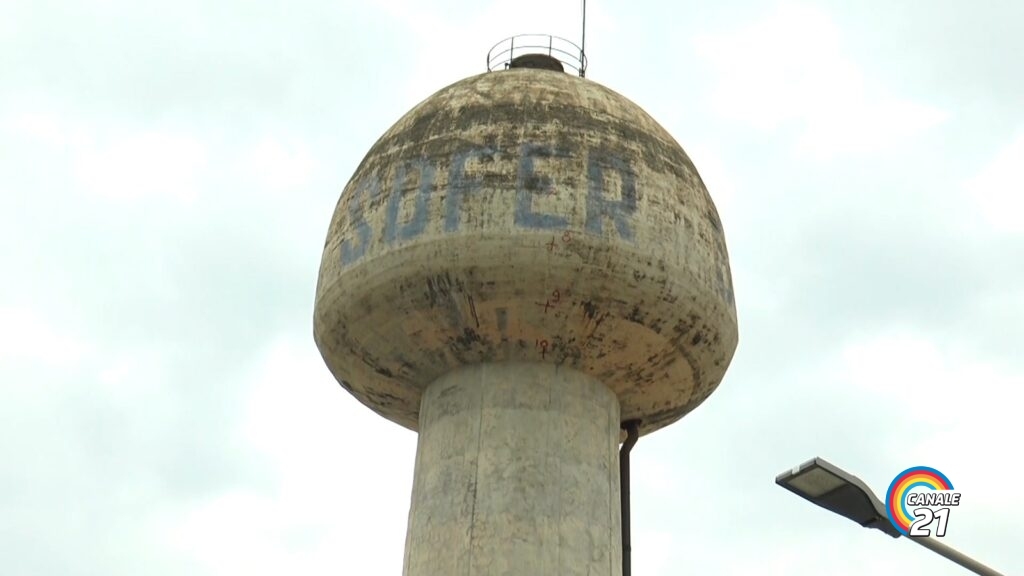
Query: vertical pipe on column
[632,434]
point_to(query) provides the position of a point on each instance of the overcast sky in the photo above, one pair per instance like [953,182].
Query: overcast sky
[169,170]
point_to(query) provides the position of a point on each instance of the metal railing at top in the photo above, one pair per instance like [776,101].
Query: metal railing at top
[501,54]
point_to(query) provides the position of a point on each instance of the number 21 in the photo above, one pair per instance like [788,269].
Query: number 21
[924,517]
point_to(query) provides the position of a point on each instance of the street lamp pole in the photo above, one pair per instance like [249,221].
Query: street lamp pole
[954,556]
[838,491]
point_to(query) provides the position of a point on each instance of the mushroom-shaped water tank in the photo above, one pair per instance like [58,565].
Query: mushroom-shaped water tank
[527,216]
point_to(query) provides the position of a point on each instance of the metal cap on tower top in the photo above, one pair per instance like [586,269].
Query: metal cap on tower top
[538,51]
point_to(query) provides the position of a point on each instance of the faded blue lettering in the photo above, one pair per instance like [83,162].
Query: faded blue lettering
[359,226]
[460,185]
[417,224]
[530,183]
[599,207]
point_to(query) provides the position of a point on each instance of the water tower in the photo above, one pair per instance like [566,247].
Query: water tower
[527,270]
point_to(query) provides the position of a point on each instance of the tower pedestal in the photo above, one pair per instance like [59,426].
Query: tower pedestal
[516,475]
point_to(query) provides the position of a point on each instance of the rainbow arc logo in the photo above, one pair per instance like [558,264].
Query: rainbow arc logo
[918,502]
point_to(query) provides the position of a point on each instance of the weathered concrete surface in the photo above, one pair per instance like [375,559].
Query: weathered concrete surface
[516,474]
[527,215]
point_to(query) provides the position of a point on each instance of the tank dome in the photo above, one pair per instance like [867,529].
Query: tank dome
[525,215]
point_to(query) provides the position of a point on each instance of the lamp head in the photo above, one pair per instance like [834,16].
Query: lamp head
[837,491]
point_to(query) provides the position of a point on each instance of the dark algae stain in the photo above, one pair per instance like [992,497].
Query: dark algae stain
[589,309]
[635,315]
[468,339]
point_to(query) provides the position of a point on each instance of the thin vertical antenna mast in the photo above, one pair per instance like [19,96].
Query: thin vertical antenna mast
[583,42]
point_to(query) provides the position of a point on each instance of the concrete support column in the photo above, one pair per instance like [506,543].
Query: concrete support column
[516,475]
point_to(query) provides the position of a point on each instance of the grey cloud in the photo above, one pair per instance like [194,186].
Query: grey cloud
[219,63]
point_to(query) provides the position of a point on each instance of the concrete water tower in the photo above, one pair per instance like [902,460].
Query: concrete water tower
[522,268]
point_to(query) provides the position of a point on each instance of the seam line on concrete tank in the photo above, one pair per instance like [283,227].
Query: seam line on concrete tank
[476,469]
[409,543]
[613,540]
[561,435]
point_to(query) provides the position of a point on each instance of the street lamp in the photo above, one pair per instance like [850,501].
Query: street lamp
[838,491]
